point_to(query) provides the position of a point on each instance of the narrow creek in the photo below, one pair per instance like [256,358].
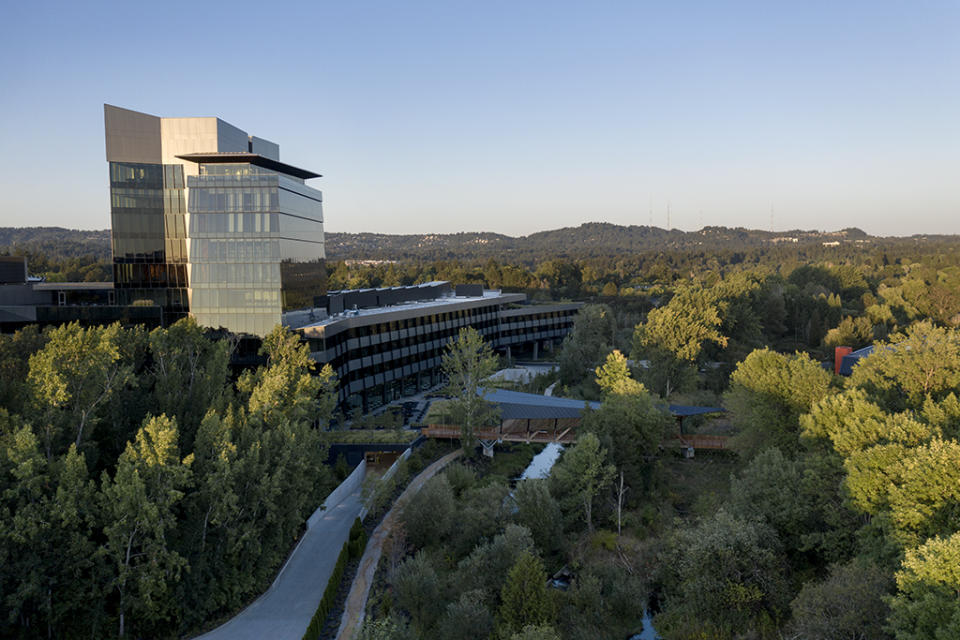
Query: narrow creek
[542,463]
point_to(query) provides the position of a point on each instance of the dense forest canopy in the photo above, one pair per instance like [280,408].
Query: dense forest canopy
[145,490]
[833,513]
[833,516]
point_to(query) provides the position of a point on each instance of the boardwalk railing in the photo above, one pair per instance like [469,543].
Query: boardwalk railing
[698,441]
[447,431]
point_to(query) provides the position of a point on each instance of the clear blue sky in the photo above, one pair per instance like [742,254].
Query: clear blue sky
[511,116]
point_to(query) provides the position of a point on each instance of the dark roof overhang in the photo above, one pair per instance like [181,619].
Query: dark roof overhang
[255,159]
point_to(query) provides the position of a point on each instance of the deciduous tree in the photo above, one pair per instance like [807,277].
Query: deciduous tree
[138,506]
[926,606]
[73,376]
[614,376]
[768,393]
[924,361]
[467,362]
[580,475]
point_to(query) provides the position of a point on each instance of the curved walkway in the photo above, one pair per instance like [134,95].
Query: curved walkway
[284,611]
[356,604]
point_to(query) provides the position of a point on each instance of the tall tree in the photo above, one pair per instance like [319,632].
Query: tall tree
[580,475]
[73,376]
[588,343]
[284,399]
[768,393]
[683,327]
[614,376]
[189,371]
[212,529]
[24,532]
[927,606]
[138,504]
[467,362]
[284,387]
[15,352]
[923,361]
[629,427]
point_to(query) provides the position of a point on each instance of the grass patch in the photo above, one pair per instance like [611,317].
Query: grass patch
[509,461]
[370,436]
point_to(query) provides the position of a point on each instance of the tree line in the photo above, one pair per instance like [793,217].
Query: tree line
[145,489]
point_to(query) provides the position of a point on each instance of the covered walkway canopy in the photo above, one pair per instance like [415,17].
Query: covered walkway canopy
[530,412]
[529,417]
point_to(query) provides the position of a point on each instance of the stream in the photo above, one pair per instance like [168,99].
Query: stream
[541,464]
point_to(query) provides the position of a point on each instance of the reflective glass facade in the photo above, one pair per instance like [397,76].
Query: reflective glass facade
[256,246]
[147,215]
[207,221]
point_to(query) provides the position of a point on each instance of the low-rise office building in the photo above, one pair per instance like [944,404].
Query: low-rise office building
[26,300]
[392,347]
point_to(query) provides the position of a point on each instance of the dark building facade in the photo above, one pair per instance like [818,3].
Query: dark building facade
[382,353]
[25,300]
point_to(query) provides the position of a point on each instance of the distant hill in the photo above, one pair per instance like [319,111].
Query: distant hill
[588,240]
[55,242]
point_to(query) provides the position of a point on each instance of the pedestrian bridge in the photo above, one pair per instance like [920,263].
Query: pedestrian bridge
[529,418]
[566,436]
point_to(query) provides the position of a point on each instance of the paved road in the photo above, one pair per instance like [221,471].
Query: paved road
[360,589]
[285,610]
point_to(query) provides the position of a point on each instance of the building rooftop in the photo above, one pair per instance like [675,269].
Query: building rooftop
[224,157]
[851,359]
[520,405]
[73,286]
[414,305]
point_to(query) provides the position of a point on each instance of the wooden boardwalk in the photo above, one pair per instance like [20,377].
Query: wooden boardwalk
[567,436]
[452,432]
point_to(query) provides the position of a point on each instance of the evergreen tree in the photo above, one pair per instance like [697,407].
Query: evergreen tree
[524,599]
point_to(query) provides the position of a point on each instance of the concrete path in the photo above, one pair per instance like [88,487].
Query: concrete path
[285,610]
[360,590]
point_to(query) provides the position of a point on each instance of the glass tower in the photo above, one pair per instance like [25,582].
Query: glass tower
[207,221]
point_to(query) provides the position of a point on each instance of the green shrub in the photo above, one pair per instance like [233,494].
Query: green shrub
[604,539]
[352,548]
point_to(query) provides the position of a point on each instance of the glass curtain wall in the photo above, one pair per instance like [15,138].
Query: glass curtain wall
[147,207]
[244,244]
